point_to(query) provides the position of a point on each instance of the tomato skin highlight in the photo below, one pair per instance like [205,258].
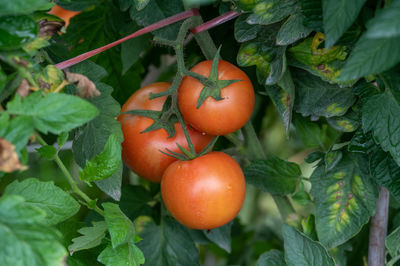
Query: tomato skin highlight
[141,151]
[217,117]
[206,192]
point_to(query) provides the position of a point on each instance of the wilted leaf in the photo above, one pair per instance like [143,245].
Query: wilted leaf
[9,161]
[86,88]
[345,198]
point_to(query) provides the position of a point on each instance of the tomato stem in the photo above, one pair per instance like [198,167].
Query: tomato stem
[70,179]
[152,27]
[216,21]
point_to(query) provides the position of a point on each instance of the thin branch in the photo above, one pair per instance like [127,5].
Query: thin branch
[216,21]
[378,230]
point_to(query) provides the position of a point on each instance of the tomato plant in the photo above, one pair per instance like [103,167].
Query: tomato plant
[222,116]
[301,97]
[141,150]
[204,193]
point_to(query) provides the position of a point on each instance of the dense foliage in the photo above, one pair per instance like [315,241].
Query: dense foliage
[321,145]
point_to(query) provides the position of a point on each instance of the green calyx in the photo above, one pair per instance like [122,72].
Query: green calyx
[212,85]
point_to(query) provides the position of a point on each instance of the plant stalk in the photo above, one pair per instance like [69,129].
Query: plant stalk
[378,230]
[70,179]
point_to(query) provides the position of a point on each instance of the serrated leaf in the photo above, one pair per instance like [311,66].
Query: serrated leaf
[127,254]
[371,56]
[301,250]
[317,98]
[244,31]
[221,236]
[121,229]
[312,11]
[58,204]
[385,171]
[267,12]
[393,242]
[379,115]
[168,244]
[292,30]
[361,143]
[24,238]
[55,112]
[386,22]
[271,258]
[105,164]
[91,237]
[155,11]
[345,198]
[47,152]
[274,175]
[337,22]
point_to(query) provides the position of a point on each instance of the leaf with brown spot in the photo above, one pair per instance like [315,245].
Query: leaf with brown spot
[9,161]
[86,88]
[23,88]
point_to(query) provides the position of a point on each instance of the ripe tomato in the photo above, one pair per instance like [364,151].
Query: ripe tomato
[65,14]
[141,151]
[217,117]
[206,192]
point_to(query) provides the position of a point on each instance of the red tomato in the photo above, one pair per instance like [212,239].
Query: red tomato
[65,14]
[217,117]
[141,151]
[206,192]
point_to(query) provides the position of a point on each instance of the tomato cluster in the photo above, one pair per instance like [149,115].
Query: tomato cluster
[208,191]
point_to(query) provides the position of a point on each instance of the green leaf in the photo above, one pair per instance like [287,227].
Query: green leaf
[393,242]
[301,250]
[168,244]
[105,164]
[112,184]
[91,237]
[19,130]
[134,201]
[345,198]
[338,17]
[302,198]
[385,171]
[312,11]
[271,258]
[267,12]
[274,175]
[55,112]
[58,204]
[361,143]
[140,4]
[221,236]
[47,152]
[244,31]
[371,56]
[62,139]
[121,229]
[292,30]
[313,135]
[386,22]
[127,254]
[24,238]
[308,226]
[346,123]
[131,49]
[317,98]
[50,77]
[23,7]
[16,31]
[379,115]
[155,11]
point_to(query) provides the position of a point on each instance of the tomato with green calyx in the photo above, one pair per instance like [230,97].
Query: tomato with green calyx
[217,117]
[206,192]
[142,151]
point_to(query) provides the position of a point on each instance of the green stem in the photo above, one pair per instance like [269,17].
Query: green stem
[393,261]
[70,179]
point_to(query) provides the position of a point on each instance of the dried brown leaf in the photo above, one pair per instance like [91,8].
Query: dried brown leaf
[49,28]
[86,88]
[9,161]
[23,88]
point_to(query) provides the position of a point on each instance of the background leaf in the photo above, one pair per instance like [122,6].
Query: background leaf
[91,237]
[121,229]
